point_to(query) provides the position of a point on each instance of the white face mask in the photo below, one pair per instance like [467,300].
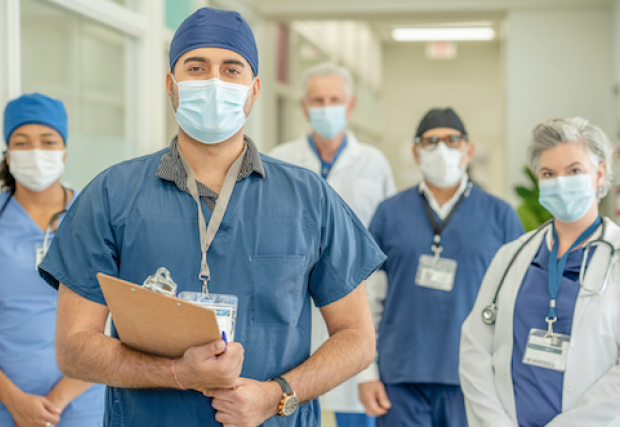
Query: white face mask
[36,169]
[441,165]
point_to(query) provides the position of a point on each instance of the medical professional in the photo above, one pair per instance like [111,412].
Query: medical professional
[540,347]
[33,392]
[440,238]
[224,219]
[359,173]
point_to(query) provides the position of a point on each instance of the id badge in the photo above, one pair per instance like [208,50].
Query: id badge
[40,252]
[548,353]
[436,273]
[224,306]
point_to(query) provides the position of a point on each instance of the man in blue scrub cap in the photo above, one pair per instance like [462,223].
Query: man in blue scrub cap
[440,237]
[285,237]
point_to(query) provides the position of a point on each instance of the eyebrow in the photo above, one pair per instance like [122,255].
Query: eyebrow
[205,60]
[43,134]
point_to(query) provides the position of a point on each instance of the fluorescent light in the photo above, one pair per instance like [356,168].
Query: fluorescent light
[427,34]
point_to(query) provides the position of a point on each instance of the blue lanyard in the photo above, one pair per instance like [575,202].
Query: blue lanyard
[556,266]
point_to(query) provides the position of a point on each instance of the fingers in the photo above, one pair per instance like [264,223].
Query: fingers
[383,399]
[51,407]
[374,398]
[205,351]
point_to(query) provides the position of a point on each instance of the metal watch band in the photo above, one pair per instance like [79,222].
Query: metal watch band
[286,387]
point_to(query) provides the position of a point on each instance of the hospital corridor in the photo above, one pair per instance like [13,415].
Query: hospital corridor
[310,213]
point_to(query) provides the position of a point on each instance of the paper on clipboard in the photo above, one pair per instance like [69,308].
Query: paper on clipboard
[155,323]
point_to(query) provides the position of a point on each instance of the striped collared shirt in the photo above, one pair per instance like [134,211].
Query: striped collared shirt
[171,169]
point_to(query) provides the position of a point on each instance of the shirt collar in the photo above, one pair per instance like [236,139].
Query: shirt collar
[171,169]
[338,153]
[443,210]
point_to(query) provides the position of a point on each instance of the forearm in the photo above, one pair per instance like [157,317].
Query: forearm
[7,389]
[91,356]
[342,356]
[66,390]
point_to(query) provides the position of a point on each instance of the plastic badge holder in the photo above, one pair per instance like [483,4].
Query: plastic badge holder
[225,307]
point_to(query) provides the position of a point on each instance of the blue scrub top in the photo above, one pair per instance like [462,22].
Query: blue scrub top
[420,331]
[28,319]
[538,391]
[326,167]
[284,238]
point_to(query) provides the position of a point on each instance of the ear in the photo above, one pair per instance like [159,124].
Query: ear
[257,87]
[304,107]
[600,174]
[416,154]
[351,106]
[470,150]
[169,84]
[7,156]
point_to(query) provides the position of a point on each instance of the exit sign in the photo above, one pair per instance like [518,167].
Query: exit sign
[441,51]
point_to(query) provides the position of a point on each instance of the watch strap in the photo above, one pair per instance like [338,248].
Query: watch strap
[286,387]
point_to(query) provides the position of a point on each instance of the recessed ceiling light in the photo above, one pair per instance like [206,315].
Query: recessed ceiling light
[425,34]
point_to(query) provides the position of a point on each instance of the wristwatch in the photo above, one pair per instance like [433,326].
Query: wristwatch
[289,401]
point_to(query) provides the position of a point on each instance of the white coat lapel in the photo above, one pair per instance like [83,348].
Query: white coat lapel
[597,267]
[305,157]
[504,325]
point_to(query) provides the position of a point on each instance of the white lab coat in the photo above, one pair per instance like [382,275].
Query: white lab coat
[363,178]
[591,389]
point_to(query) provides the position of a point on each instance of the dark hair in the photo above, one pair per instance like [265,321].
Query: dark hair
[6,179]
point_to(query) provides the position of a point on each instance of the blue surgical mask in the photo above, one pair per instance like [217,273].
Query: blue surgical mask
[567,198]
[328,121]
[211,111]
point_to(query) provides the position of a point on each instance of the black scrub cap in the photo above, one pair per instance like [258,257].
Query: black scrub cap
[440,118]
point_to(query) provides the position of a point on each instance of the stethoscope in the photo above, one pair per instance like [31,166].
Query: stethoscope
[52,220]
[489,314]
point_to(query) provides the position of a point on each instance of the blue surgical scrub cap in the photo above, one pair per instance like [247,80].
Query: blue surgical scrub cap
[208,27]
[35,109]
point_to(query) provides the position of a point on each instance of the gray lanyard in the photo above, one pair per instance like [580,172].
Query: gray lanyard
[207,233]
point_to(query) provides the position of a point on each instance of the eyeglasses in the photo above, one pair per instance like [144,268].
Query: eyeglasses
[452,141]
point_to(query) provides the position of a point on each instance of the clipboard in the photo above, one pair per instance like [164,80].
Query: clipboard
[155,323]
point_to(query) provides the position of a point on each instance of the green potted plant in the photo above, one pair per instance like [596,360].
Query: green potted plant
[532,214]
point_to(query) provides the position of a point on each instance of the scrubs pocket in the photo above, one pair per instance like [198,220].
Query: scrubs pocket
[277,289]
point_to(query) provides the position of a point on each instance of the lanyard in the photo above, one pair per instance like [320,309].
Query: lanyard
[556,269]
[438,228]
[207,233]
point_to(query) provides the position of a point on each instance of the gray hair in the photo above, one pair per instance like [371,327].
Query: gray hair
[328,69]
[572,130]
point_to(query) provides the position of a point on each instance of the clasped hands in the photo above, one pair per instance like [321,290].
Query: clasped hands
[215,371]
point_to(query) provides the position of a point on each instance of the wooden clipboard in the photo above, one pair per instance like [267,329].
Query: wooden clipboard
[155,323]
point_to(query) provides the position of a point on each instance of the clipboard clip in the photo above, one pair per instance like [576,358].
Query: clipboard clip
[161,282]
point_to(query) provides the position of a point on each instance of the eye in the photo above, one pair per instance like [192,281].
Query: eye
[547,174]
[195,69]
[50,142]
[233,71]
[575,171]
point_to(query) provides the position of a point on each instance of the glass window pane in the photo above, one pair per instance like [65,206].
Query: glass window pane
[177,11]
[81,62]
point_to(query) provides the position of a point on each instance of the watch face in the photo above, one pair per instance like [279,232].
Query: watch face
[290,405]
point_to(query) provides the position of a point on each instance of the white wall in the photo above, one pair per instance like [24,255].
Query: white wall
[558,64]
[472,84]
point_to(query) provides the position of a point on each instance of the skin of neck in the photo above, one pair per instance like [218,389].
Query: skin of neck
[52,198]
[569,232]
[442,195]
[328,147]
[210,163]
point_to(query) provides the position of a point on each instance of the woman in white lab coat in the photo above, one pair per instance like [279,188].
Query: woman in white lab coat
[538,349]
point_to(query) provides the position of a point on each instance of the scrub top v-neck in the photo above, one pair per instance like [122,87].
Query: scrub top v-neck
[28,318]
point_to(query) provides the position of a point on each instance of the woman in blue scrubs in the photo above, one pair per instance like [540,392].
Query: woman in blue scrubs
[541,346]
[33,392]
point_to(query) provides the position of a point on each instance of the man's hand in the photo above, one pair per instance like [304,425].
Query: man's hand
[248,405]
[374,398]
[29,410]
[209,366]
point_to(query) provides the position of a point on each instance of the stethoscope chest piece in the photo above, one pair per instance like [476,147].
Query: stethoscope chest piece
[489,314]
